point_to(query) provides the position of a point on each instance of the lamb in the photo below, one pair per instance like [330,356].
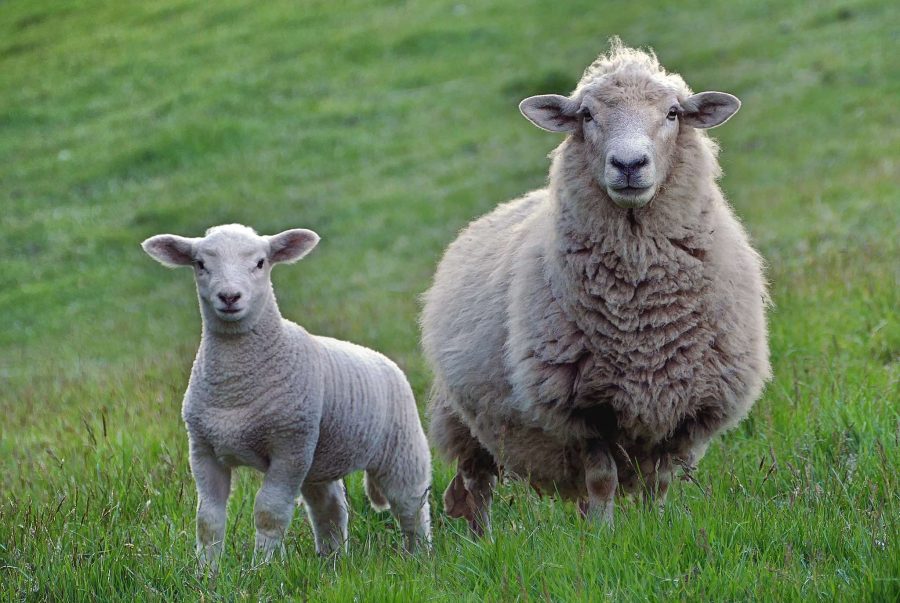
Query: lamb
[594,335]
[305,410]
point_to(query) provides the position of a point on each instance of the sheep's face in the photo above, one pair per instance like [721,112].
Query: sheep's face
[624,129]
[232,267]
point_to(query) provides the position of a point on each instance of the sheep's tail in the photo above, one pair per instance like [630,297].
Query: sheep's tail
[379,502]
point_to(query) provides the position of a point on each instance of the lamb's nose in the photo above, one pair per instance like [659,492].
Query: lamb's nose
[630,166]
[229,298]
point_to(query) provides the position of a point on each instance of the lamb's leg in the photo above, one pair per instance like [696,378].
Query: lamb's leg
[404,485]
[213,482]
[414,516]
[409,505]
[326,505]
[274,505]
[601,478]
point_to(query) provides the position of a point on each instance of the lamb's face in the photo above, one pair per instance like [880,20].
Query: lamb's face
[625,127]
[232,267]
[232,271]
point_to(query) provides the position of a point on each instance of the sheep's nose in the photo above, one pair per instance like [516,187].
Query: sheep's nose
[229,298]
[628,167]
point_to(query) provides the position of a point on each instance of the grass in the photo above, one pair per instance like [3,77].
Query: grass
[385,127]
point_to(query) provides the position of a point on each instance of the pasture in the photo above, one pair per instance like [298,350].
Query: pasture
[386,127]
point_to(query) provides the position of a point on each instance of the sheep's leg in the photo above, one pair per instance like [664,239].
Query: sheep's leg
[274,506]
[458,501]
[213,481]
[601,478]
[471,492]
[657,476]
[684,449]
[326,505]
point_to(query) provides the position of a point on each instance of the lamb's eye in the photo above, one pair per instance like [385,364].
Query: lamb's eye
[201,265]
[260,263]
[673,114]
[586,115]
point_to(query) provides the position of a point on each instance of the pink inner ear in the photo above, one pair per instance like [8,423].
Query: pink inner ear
[292,245]
[710,109]
[170,250]
[550,111]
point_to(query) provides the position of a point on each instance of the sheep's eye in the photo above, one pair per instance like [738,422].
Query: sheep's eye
[586,115]
[260,263]
[673,114]
[201,265]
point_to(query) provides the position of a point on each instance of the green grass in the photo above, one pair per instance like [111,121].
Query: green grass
[386,127]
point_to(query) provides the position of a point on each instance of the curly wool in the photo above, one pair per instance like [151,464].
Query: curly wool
[559,318]
[254,395]
[305,410]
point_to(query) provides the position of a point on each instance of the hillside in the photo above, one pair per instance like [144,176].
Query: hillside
[386,127]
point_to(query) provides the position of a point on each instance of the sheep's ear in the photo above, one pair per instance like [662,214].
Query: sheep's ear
[291,245]
[551,112]
[709,109]
[170,250]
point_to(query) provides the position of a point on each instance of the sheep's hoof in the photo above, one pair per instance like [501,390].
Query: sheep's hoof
[265,548]
[208,557]
[600,513]
[476,527]
[329,553]
[458,501]
[583,507]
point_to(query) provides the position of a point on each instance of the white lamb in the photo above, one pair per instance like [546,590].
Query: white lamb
[594,334]
[303,409]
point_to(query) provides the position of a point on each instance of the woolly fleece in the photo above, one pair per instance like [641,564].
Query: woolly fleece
[584,346]
[305,410]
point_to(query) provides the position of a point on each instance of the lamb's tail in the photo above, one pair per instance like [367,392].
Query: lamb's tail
[379,502]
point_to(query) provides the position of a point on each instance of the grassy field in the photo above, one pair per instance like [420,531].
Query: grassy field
[386,127]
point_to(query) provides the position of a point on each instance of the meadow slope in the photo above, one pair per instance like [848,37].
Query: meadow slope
[386,127]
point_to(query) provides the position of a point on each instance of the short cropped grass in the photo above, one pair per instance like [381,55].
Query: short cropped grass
[386,126]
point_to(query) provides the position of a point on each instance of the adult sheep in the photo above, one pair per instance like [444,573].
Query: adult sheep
[305,410]
[595,334]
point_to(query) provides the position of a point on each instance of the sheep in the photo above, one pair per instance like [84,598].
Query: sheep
[594,335]
[305,410]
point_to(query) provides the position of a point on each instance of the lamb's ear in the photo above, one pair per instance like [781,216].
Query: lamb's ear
[291,245]
[551,112]
[709,109]
[170,250]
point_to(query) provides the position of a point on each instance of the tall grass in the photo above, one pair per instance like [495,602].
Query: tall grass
[386,127]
